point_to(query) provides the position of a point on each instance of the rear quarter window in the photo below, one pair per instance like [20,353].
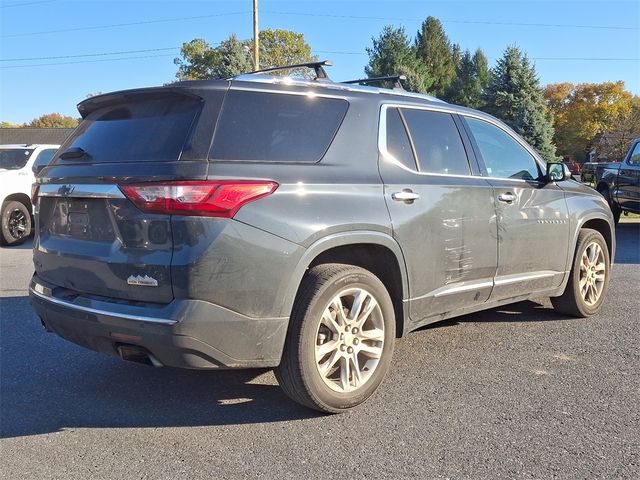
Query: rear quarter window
[273,127]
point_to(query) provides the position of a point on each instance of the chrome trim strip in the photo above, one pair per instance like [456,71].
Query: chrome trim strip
[79,190]
[509,279]
[382,139]
[310,94]
[287,80]
[461,288]
[124,316]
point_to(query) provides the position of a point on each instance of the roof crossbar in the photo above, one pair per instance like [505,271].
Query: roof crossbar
[395,79]
[321,74]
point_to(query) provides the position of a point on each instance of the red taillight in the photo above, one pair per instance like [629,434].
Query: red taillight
[194,197]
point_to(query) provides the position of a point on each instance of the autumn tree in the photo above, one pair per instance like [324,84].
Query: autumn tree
[617,141]
[583,111]
[53,120]
[5,124]
[392,54]
[438,55]
[199,60]
[283,47]
[471,80]
[515,96]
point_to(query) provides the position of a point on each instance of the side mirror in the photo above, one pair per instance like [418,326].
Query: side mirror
[557,172]
[36,169]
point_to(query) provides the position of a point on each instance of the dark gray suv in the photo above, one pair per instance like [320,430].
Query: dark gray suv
[267,221]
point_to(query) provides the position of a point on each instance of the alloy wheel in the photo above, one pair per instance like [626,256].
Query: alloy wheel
[17,224]
[349,340]
[592,273]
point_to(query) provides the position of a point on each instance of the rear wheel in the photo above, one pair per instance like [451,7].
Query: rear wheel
[589,279]
[15,223]
[340,339]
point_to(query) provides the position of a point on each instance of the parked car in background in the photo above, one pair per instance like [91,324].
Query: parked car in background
[17,166]
[267,221]
[618,182]
[574,168]
[587,173]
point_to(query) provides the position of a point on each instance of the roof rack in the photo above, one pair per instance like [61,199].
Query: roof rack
[321,74]
[395,79]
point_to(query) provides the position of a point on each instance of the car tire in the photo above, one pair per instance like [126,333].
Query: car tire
[589,278]
[329,364]
[15,223]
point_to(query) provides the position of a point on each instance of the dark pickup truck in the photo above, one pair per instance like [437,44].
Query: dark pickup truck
[618,182]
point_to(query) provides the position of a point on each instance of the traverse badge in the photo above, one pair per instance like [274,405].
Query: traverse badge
[145,281]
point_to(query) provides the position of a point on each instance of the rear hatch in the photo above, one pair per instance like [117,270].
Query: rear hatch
[91,238]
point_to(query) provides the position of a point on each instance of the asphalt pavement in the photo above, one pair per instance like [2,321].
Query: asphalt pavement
[514,392]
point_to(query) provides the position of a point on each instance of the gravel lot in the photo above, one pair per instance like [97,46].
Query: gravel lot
[515,392]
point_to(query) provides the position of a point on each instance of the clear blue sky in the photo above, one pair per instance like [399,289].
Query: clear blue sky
[29,89]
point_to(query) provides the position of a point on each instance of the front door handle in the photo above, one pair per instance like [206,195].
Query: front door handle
[406,195]
[506,197]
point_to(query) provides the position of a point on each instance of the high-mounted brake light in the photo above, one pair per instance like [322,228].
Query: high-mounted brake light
[194,197]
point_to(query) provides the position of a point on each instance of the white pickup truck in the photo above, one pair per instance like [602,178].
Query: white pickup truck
[18,163]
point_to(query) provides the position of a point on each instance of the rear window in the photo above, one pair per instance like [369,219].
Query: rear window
[136,131]
[256,126]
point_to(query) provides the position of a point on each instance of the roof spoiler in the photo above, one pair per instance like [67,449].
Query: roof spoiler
[98,101]
[321,74]
[394,79]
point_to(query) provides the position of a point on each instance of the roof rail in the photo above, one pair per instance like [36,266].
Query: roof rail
[321,74]
[395,79]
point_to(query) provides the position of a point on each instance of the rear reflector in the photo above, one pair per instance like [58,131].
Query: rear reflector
[194,197]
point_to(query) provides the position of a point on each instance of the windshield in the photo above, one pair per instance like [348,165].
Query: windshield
[14,158]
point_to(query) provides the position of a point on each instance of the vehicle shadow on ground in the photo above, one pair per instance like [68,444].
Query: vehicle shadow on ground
[48,385]
[27,245]
[628,242]
[538,310]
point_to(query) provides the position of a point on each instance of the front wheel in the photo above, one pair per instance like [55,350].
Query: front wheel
[615,209]
[15,223]
[589,279]
[340,339]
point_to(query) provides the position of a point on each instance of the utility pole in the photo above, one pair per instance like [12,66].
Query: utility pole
[256,48]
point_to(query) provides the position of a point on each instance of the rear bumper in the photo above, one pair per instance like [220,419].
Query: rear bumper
[184,333]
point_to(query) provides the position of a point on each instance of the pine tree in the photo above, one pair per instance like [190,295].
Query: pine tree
[437,54]
[470,82]
[514,95]
[392,54]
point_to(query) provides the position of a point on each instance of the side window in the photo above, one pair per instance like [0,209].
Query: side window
[43,159]
[634,159]
[437,141]
[271,127]
[503,156]
[397,140]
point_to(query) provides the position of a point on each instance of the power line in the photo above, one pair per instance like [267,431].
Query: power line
[118,25]
[478,22]
[87,55]
[24,4]
[85,61]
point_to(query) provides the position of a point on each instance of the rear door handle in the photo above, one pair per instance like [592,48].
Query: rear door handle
[506,197]
[406,196]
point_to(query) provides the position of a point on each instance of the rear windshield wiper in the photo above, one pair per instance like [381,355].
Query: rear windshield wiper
[74,152]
